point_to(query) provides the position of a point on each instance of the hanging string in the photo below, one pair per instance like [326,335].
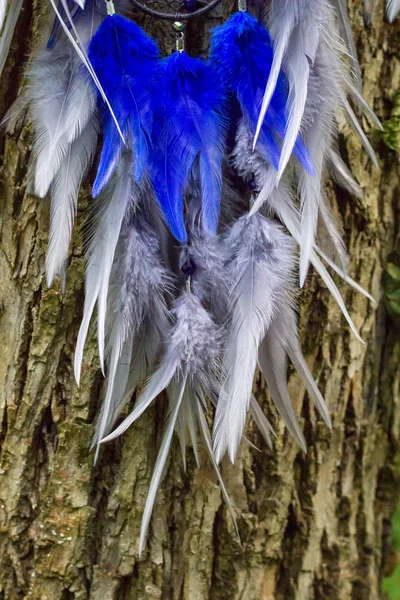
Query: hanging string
[176,16]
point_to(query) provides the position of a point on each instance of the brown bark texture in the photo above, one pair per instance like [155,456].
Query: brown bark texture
[313,526]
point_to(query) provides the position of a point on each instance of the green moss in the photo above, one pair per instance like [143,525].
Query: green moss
[391,127]
[391,286]
[391,585]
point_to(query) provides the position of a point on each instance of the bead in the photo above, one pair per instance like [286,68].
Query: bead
[188,267]
[179,27]
[190,5]
[110,7]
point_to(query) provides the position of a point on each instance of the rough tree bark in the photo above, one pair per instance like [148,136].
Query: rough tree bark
[312,527]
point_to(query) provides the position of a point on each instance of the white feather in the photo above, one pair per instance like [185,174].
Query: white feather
[355,125]
[261,273]
[347,35]
[281,203]
[342,175]
[285,329]
[116,199]
[207,439]
[261,421]
[297,69]
[64,197]
[279,51]
[192,350]
[295,28]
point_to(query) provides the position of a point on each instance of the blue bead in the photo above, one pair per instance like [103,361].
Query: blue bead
[190,5]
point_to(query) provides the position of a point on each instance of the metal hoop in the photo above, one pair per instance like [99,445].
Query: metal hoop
[177,16]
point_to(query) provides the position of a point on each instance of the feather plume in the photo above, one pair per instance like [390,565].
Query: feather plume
[64,196]
[192,355]
[295,29]
[137,316]
[307,32]
[242,54]
[261,268]
[280,202]
[62,105]
[206,257]
[188,369]
[188,125]
[113,205]
[123,58]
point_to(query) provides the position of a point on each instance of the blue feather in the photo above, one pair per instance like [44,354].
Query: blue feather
[189,132]
[242,54]
[124,59]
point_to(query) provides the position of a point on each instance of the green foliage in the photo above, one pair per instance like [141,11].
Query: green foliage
[391,127]
[391,584]
[391,286]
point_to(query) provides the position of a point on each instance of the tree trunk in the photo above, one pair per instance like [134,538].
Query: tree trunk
[313,526]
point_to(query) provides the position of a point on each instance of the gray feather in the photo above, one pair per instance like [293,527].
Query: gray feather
[347,35]
[261,268]
[342,175]
[138,286]
[64,198]
[160,463]
[112,209]
[192,352]
[273,365]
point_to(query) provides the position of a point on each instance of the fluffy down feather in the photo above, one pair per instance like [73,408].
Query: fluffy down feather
[188,369]
[191,354]
[137,316]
